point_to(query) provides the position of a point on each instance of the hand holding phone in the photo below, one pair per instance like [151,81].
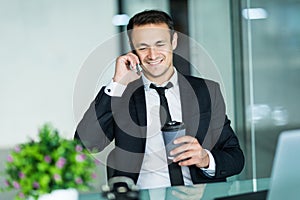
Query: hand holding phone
[127,68]
[137,69]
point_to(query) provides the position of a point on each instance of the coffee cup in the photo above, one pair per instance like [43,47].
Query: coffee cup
[170,131]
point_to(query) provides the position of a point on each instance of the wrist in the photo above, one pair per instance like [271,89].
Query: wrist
[204,162]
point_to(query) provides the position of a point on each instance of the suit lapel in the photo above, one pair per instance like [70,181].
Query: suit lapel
[189,105]
[138,107]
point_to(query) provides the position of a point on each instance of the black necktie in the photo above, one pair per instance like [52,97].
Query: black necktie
[164,112]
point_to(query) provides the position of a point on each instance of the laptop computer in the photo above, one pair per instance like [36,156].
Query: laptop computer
[285,176]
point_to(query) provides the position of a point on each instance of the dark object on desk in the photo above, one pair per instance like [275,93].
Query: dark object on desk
[260,195]
[120,188]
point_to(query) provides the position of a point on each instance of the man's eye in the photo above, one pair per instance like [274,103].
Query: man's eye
[160,45]
[142,49]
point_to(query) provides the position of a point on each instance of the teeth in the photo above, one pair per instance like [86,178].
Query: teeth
[154,63]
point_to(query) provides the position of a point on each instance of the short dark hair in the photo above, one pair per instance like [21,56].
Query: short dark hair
[150,17]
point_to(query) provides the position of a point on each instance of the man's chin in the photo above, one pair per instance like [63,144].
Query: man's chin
[154,73]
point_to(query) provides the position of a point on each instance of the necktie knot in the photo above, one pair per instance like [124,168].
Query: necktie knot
[161,90]
[164,111]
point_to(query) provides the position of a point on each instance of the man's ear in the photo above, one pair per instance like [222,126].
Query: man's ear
[174,40]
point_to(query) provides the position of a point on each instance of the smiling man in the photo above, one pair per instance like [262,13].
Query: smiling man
[128,111]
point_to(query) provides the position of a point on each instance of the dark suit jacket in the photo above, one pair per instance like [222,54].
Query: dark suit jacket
[123,119]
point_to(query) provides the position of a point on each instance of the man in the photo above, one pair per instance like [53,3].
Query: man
[128,111]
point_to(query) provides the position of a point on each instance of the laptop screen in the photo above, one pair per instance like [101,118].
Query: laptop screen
[285,177]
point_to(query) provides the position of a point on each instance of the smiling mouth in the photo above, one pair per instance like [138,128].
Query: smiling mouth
[155,62]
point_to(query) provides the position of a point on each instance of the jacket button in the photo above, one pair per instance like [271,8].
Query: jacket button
[222,172]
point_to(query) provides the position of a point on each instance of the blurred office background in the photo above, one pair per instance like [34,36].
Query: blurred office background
[253,44]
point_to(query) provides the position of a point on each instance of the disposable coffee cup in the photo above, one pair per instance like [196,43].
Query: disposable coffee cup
[170,132]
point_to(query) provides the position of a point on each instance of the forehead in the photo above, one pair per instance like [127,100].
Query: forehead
[150,33]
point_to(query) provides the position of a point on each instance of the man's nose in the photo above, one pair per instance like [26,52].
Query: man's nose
[152,53]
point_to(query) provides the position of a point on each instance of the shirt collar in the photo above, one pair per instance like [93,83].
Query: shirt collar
[173,80]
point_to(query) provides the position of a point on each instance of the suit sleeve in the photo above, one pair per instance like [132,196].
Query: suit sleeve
[95,130]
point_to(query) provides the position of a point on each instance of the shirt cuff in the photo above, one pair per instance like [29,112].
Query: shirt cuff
[114,89]
[211,169]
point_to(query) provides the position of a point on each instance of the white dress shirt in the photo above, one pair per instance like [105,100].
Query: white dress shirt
[154,171]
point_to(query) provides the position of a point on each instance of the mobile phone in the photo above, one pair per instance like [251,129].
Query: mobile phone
[138,67]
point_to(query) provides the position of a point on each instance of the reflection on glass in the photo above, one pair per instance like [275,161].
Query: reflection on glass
[273,43]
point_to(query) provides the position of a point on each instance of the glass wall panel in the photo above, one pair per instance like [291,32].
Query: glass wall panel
[209,23]
[271,38]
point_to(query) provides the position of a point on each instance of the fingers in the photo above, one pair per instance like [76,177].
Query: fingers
[185,139]
[126,69]
[188,143]
[190,152]
[201,160]
[127,62]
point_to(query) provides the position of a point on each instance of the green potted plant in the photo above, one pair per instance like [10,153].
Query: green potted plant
[50,164]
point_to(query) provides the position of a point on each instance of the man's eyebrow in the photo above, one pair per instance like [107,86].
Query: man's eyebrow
[142,44]
[145,44]
[161,41]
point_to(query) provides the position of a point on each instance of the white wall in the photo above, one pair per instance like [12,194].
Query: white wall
[43,45]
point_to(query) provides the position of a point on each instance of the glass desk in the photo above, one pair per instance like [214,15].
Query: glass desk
[202,191]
